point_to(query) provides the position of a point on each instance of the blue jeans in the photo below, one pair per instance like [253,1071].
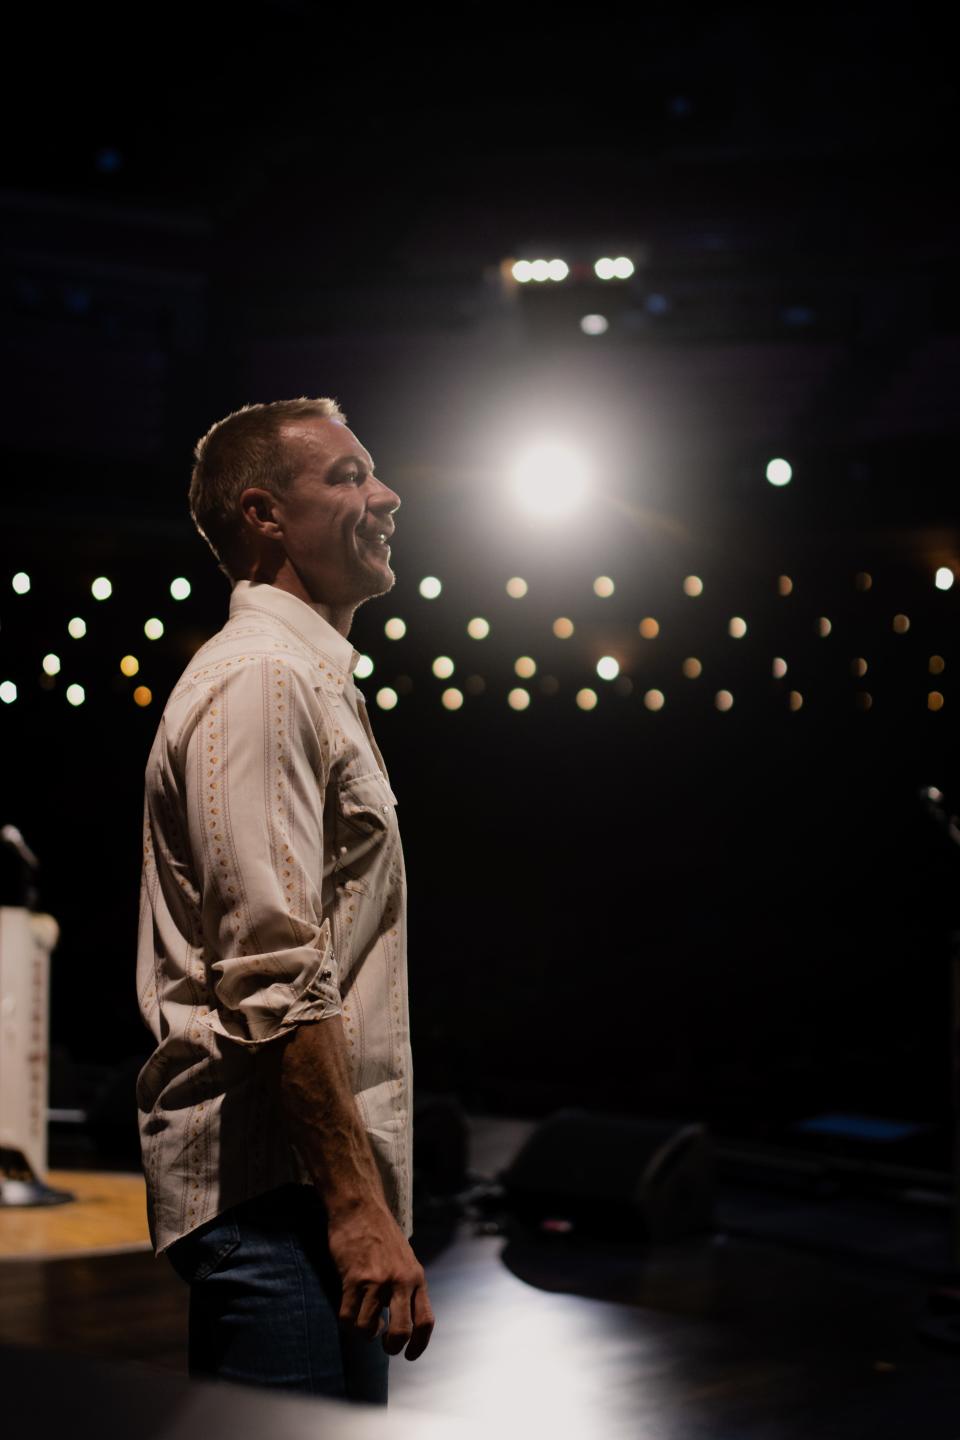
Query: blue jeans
[264,1301]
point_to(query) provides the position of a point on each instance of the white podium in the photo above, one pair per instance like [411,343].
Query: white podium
[26,942]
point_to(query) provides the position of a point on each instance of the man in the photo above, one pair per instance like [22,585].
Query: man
[275,1111]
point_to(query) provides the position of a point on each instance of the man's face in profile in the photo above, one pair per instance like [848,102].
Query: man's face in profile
[335,513]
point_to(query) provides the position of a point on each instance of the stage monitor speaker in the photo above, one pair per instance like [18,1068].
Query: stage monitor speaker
[615,1175]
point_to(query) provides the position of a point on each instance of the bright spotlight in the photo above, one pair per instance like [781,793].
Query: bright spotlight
[525,667]
[77,628]
[129,664]
[622,268]
[21,582]
[587,699]
[608,668]
[386,698]
[8,692]
[779,472]
[180,588]
[153,629]
[395,629]
[443,667]
[605,269]
[76,694]
[51,664]
[540,271]
[518,699]
[430,587]
[603,586]
[944,578]
[521,271]
[594,324]
[558,269]
[550,480]
[101,589]
[142,696]
[478,628]
[452,699]
[363,668]
[516,587]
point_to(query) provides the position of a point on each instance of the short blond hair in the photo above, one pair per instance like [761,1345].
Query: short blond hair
[246,448]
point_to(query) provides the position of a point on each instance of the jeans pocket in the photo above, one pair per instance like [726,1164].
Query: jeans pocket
[197,1255]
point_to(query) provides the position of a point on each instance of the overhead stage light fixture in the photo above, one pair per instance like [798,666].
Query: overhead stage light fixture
[550,479]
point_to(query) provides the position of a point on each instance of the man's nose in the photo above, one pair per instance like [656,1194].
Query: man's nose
[384,499]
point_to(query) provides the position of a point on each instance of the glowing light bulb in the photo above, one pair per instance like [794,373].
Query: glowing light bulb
[550,479]
[779,472]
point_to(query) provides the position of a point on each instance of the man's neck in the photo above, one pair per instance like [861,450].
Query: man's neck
[287,578]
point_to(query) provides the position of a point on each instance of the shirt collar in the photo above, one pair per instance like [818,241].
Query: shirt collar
[302,618]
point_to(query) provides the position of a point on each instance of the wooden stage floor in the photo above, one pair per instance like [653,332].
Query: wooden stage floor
[730,1336]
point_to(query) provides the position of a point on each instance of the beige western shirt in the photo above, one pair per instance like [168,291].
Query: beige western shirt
[273,893]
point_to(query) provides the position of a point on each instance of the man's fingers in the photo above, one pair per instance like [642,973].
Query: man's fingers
[400,1328]
[368,1317]
[423,1323]
[350,1304]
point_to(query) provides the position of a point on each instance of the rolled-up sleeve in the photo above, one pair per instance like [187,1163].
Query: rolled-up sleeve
[255,769]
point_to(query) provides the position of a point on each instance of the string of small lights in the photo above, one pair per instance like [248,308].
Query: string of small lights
[609,668]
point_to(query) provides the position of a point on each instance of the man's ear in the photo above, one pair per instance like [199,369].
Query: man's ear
[259,511]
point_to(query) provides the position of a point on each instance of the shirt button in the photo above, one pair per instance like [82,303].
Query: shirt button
[343,849]
[384,809]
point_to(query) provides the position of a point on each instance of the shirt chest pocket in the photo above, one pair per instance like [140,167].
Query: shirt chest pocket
[366,828]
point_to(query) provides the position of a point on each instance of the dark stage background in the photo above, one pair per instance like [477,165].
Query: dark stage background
[742,916]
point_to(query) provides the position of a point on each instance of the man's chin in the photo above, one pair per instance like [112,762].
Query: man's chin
[378,579]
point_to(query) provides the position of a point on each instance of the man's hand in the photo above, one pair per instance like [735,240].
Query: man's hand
[377,1268]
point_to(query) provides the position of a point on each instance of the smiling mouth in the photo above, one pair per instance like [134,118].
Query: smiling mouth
[377,542]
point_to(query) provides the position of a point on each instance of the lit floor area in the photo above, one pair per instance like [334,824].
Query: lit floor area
[780,1325]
